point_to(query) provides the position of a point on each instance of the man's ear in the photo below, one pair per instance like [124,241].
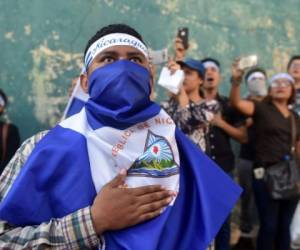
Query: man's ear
[201,80]
[84,82]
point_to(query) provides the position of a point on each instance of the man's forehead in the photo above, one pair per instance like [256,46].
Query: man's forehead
[296,61]
[122,49]
[213,68]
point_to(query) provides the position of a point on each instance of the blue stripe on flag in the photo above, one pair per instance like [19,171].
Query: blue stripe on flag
[75,107]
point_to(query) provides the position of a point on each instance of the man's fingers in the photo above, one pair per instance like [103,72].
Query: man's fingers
[118,180]
[157,196]
[149,216]
[146,189]
[153,206]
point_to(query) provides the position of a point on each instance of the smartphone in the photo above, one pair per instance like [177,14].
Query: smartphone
[183,34]
[158,56]
[248,62]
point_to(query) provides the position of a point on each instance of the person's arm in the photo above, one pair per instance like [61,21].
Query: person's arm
[244,106]
[74,231]
[237,133]
[180,51]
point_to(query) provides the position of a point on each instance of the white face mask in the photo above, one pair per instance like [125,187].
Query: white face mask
[257,85]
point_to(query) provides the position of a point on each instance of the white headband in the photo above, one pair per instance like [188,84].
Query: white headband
[113,40]
[255,75]
[282,76]
[211,64]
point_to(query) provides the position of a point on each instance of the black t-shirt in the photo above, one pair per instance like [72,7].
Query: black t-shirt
[273,134]
[12,144]
[248,149]
[219,146]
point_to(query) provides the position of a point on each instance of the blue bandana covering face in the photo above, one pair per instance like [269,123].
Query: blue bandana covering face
[120,127]
[120,95]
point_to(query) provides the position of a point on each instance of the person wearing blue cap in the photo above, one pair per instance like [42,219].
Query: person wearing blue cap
[275,144]
[187,108]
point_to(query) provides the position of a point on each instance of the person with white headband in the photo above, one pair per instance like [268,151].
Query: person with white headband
[226,124]
[256,83]
[9,135]
[76,230]
[108,176]
[273,122]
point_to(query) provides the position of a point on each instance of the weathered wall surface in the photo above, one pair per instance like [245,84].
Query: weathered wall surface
[42,41]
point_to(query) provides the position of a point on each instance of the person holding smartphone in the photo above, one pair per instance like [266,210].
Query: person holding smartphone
[187,108]
[256,83]
[272,119]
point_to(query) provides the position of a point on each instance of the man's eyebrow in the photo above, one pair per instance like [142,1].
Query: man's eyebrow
[136,53]
[109,53]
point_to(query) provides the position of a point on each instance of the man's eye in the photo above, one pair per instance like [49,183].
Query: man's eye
[108,59]
[136,60]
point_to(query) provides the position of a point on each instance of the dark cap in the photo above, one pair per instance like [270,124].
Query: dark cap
[193,64]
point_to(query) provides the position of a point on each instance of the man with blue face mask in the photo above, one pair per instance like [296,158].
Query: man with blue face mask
[79,229]
[112,166]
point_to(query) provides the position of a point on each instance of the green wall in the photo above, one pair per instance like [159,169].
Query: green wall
[42,42]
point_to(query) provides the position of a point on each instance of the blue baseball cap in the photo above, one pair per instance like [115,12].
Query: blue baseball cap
[193,64]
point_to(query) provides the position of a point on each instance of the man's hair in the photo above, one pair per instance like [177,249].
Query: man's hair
[113,28]
[292,59]
[253,70]
[3,95]
[209,59]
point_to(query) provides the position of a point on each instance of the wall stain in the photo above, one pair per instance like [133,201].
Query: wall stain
[49,67]
[10,36]
[27,30]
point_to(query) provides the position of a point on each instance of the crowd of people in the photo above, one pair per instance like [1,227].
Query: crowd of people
[262,123]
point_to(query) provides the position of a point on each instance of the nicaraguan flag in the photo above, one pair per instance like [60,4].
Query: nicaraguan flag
[76,101]
[69,166]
